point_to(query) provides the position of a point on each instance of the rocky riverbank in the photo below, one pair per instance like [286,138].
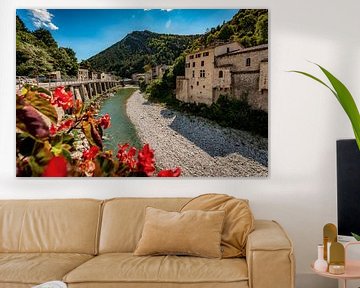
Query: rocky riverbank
[200,147]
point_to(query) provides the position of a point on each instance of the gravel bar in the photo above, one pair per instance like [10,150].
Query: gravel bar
[198,146]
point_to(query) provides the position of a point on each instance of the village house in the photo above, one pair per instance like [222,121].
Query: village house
[83,74]
[56,75]
[226,69]
[158,71]
[94,75]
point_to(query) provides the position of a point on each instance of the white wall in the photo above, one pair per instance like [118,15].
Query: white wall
[305,121]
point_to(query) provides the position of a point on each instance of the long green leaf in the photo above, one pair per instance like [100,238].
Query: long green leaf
[347,102]
[344,97]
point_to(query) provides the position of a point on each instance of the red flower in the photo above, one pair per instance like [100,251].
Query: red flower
[127,157]
[170,173]
[52,130]
[91,153]
[105,121]
[56,167]
[146,160]
[66,124]
[62,98]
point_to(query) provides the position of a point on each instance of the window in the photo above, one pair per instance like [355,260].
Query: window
[203,86]
[191,57]
[198,55]
[192,87]
[221,74]
[193,74]
[193,64]
[187,65]
[227,50]
[202,73]
[248,62]
[197,83]
[202,63]
[206,54]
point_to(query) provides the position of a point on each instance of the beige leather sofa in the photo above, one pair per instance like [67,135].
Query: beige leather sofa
[89,243]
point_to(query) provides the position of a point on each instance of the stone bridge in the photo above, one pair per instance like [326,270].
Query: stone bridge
[85,90]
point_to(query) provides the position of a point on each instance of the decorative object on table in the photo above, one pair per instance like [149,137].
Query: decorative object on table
[329,236]
[52,284]
[320,264]
[337,258]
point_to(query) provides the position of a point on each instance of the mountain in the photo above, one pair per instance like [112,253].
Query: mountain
[138,49]
[37,53]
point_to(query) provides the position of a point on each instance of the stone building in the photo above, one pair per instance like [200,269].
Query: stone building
[56,75]
[158,71]
[226,69]
[83,74]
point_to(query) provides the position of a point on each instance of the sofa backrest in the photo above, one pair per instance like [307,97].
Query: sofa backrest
[67,226]
[123,220]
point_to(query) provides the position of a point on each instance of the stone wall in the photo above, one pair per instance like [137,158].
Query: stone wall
[182,87]
[246,87]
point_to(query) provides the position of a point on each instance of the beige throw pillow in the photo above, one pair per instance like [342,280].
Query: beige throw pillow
[196,233]
[239,220]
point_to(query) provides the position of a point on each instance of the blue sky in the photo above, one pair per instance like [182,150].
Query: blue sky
[89,31]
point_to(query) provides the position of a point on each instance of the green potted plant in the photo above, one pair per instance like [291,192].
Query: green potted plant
[346,100]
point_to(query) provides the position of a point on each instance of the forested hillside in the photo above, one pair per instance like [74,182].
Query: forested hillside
[37,53]
[248,26]
[137,49]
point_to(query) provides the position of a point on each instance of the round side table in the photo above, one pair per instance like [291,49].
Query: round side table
[352,269]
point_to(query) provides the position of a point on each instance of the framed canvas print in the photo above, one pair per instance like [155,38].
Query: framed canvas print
[142,92]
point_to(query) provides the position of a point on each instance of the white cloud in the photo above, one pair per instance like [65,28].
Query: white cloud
[42,18]
[168,24]
[167,10]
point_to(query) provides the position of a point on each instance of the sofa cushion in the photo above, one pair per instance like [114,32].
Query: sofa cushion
[36,268]
[62,226]
[193,232]
[127,268]
[238,223]
[123,220]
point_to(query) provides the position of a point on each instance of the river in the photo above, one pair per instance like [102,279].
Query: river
[121,130]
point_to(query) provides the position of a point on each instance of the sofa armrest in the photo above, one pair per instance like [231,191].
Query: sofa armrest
[269,255]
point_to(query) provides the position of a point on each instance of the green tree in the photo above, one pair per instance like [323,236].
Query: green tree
[226,32]
[46,37]
[261,30]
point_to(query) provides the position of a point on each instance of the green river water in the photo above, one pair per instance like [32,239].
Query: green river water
[121,130]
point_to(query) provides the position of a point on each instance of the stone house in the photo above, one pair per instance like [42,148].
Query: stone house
[56,75]
[158,71]
[83,74]
[226,69]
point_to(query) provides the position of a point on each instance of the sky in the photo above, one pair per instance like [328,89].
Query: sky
[89,31]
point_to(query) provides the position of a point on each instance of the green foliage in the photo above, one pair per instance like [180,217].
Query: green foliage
[45,36]
[248,26]
[138,50]
[357,237]
[344,97]
[38,54]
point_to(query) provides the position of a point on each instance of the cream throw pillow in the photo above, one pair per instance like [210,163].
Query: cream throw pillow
[238,223]
[194,232]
